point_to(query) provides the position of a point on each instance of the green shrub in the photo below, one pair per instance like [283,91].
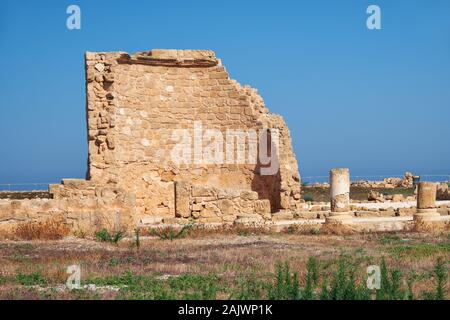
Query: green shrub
[113,262]
[440,270]
[312,278]
[285,286]
[170,233]
[390,284]
[249,288]
[440,276]
[343,284]
[30,279]
[104,236]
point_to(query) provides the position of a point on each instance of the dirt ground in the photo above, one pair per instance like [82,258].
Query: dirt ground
[132,269]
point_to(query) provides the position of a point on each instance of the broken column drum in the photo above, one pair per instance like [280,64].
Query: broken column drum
[340,196]
[426,201]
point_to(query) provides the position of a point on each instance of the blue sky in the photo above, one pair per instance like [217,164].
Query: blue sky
[376,101]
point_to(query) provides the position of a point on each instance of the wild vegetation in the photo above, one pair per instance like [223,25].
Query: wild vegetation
[237,264]
[50,229]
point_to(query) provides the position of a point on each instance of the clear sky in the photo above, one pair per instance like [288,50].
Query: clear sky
[376,101]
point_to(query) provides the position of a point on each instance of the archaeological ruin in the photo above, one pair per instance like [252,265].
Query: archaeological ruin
[172,137]
[173,140]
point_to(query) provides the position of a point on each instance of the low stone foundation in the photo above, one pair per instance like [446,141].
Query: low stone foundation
[81,204]
[86,207]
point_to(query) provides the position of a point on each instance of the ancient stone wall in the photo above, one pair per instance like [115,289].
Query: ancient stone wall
[137,105]
[171,138]
[82,205]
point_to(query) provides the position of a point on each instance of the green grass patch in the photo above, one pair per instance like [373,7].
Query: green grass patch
[420,250]
[31,279]
[341,279]
[390,239]
[138,287]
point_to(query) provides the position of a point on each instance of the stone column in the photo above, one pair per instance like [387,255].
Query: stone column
[340,196]
[426,202]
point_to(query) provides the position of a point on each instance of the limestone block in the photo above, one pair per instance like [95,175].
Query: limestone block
[79,215]
[75,183]
[228,193]
[209,210]
[400,212]
[306,215]
[182,199]
[203,199]
[397,198]
[212,219]
[245,206]
[262,207]
[152,219]
[315,208]
[443,211]
[55,190]
[100,67]
[282,215]
[285,202]
[229,218]
[203,191]
[249,195]
[249,220]
[197,207]
[226,206]
[176,220]
[380,213]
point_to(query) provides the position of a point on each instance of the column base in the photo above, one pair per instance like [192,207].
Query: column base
[427,215]
[339,217]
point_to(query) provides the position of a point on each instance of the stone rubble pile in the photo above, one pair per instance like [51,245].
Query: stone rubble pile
[443,191]
[387,183]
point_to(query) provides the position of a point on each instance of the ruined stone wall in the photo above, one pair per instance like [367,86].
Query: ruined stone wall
[135,103]
[137,106]
[82,205]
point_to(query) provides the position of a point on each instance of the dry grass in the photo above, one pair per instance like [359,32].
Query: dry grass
[199,231]
[229,254]
[50,229]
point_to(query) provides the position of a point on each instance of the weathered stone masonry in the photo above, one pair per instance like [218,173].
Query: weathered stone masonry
[134,105]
